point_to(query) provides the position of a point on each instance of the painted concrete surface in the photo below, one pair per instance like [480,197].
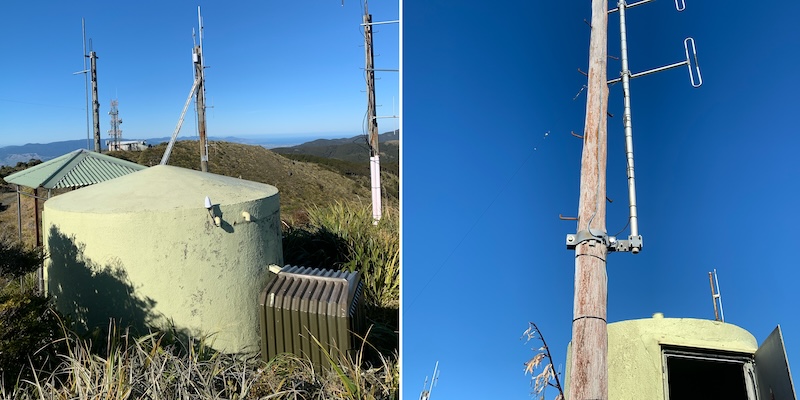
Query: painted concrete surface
[144,250]
[635,369]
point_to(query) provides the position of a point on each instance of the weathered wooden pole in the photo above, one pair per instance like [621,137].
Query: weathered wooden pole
[372,119]
[588,369]
[200,96]
[201,108]
[95,101]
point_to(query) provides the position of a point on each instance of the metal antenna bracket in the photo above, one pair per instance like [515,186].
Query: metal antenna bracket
[573,240]
[633,244]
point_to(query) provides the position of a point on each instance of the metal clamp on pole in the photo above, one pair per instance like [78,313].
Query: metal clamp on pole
[573,240]
[633,244]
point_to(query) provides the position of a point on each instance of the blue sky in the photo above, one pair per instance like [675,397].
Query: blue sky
[274,68]
[716,173]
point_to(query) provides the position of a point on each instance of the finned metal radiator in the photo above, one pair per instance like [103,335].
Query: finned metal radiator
[299,302]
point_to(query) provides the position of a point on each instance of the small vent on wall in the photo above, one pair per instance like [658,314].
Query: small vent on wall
[301,301]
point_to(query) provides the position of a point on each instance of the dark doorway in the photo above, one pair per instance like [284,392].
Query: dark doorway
[706,377]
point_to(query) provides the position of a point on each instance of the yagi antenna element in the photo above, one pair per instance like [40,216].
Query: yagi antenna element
[634,241]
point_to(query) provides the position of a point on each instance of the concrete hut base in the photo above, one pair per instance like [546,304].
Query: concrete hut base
[143,249]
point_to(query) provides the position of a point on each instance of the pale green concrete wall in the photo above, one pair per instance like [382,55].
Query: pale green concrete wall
[143,249]
[635,369]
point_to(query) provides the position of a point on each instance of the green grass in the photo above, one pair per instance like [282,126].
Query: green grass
[65,365]
[329,223]
[149,367]
[342,236]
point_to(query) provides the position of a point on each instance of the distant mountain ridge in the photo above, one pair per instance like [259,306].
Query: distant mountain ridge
[11,155]
[354,149]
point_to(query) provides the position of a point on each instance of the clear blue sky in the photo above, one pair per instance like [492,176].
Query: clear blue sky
[274,68]
[716,168]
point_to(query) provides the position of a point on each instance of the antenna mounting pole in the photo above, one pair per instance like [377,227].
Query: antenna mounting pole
[200,94]
[86,84]
[372,120]
[717,296]
[426,390]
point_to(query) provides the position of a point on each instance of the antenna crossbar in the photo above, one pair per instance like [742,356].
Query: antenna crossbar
[680,5]
[688,62]
[381,22]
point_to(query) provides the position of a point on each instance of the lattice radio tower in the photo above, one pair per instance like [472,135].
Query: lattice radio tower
[115,133]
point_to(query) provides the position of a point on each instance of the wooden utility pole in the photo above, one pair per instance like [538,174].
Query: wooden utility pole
[372,122]
[588,369]
[372,118]
[201,96]
[95,101]
[201,109]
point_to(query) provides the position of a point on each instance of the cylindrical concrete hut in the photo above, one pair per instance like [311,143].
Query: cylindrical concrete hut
[687,358]
[144,250]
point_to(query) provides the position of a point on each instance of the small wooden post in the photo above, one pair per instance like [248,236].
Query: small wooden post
[36,216]
[19,213]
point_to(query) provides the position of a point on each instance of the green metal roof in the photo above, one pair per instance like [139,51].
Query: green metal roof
[72,170]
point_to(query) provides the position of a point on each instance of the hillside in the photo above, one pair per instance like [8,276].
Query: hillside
[354,149]
[304,181]
[301,184]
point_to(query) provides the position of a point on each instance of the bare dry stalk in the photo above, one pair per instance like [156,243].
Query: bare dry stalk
[548,376]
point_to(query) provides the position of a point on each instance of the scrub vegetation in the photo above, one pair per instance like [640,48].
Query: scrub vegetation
[542,361]
[328,224]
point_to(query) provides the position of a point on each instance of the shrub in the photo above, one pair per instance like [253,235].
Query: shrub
[29,328]
[342,236]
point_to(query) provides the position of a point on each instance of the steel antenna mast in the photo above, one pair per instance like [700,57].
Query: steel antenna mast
[85,84]
[634,242]
[426,390]
[86,70]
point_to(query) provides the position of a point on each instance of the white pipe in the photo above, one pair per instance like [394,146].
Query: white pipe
[168,151]
[375,175]
[719,295]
